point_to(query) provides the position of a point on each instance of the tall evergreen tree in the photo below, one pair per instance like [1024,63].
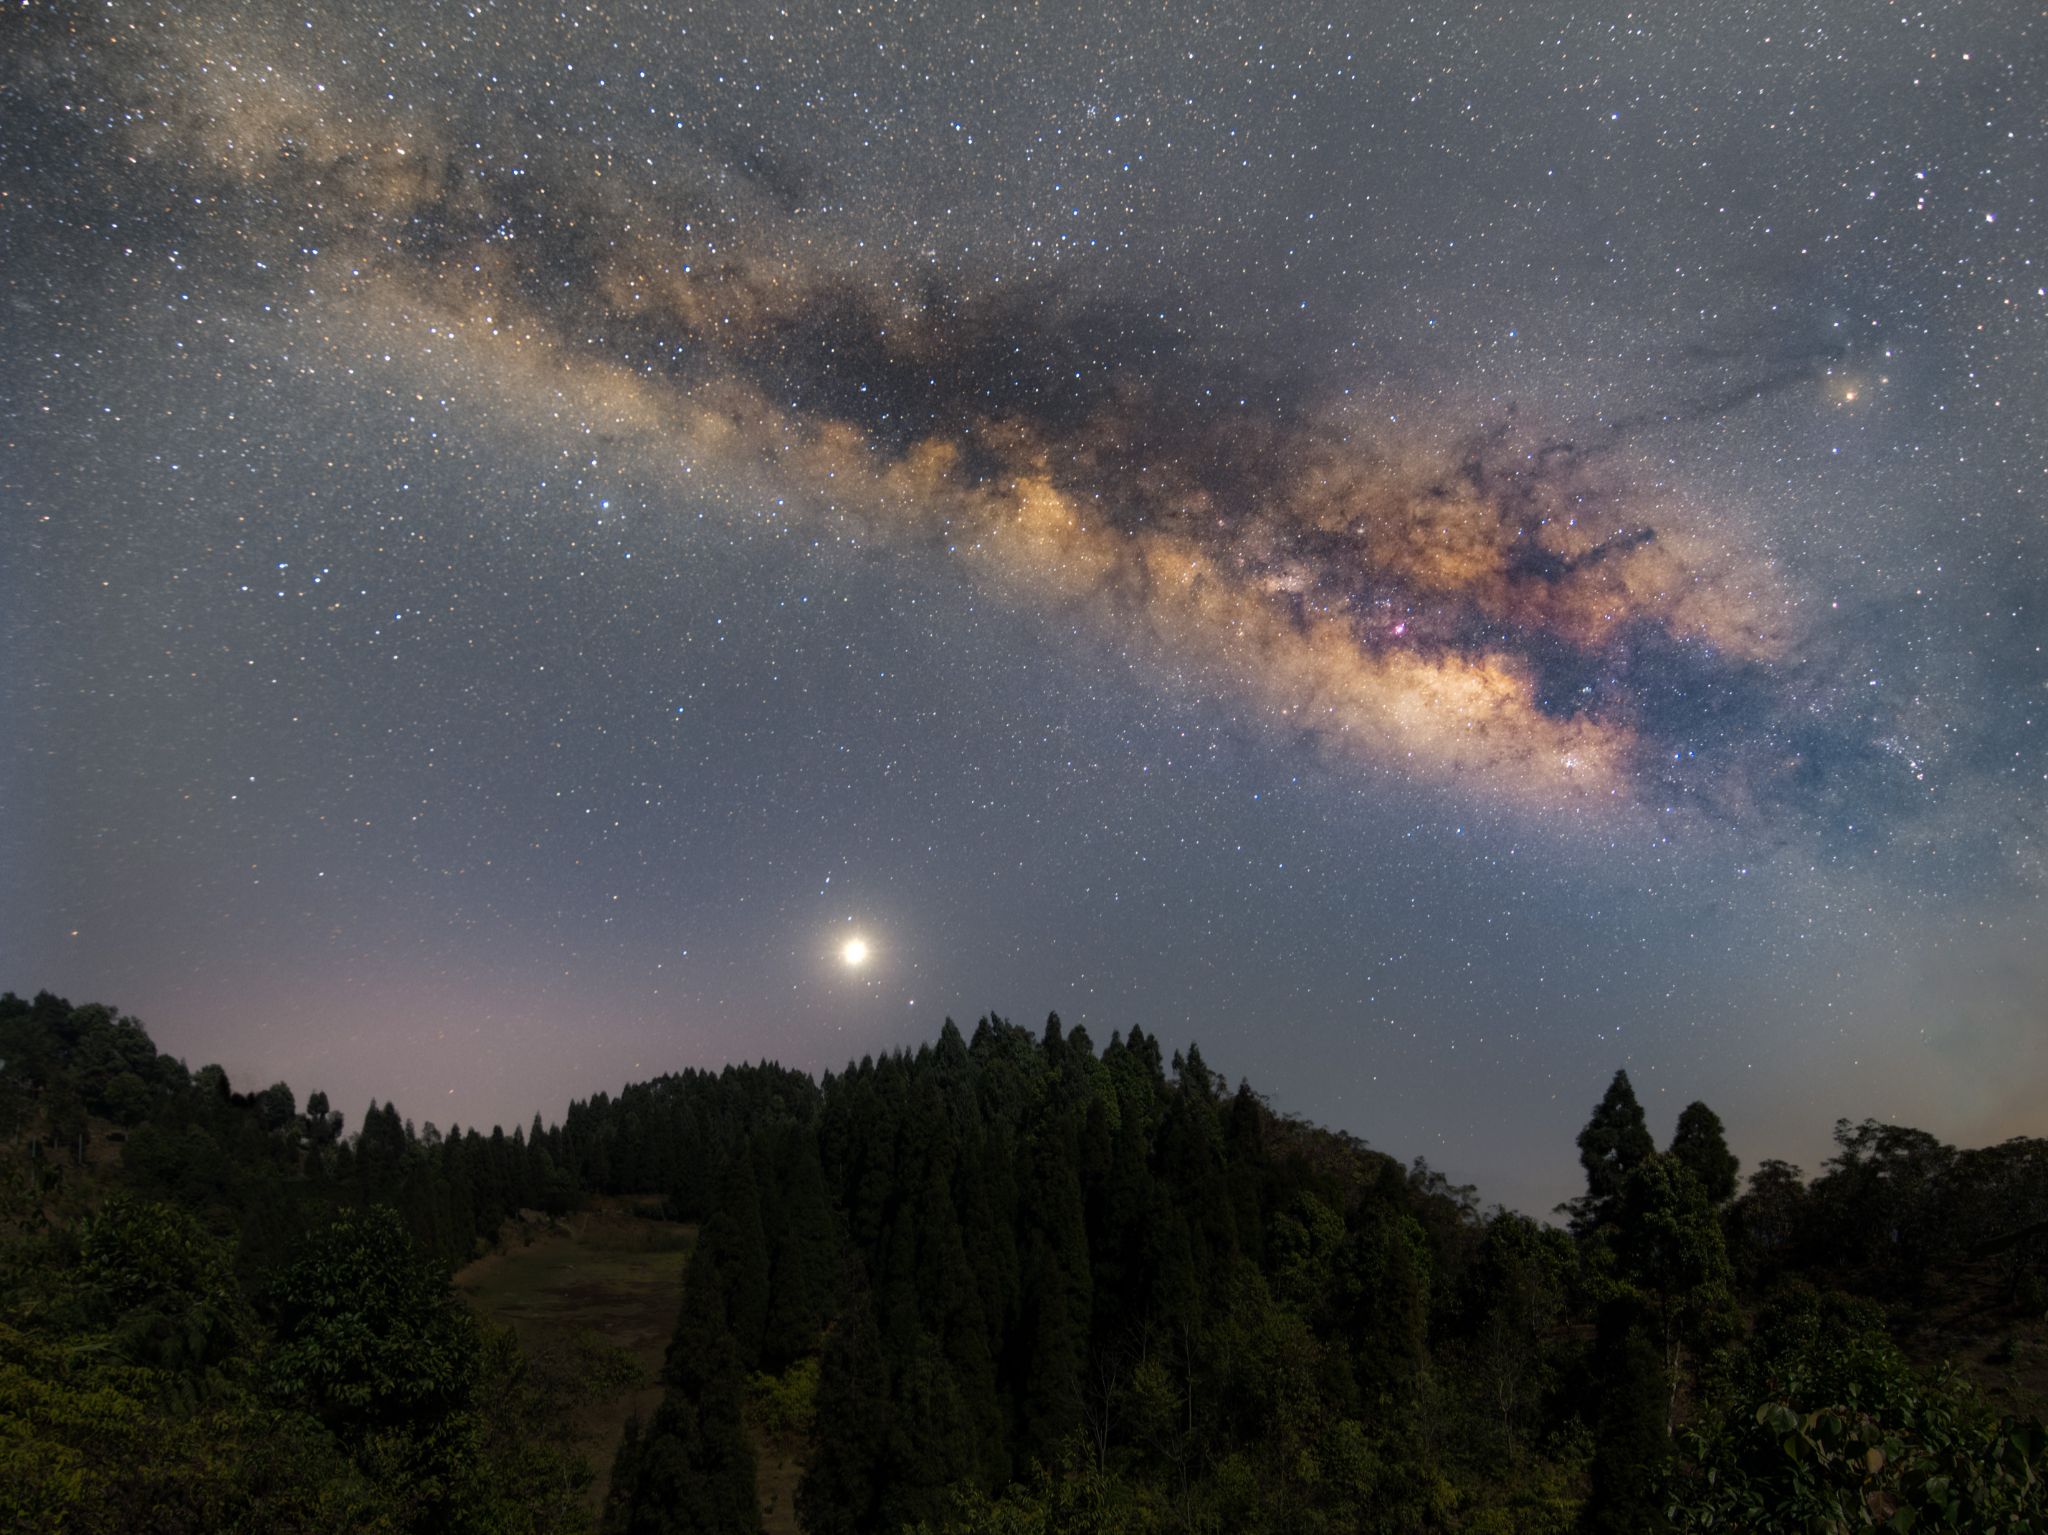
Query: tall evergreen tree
[1614,1143]
[691,1472]
[806,1258]
[736,1231]
[930,1452]
[842,1487]
[1701,1145]
[1058,1292]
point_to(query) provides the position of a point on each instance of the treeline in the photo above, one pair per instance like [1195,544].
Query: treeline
[220,1312]
[1011,1283]
[1016,1284]
[253,1163]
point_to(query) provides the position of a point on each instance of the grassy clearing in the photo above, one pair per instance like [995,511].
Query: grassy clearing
[593,1301]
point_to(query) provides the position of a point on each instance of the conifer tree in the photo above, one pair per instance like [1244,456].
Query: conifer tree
[1058,1293]
[806,1256]
[692,1472]
[930,1449]
[842,1487]
[743,1258]
[1701,1145]
[1614,1143]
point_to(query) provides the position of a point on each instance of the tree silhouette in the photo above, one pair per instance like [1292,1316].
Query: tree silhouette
[1701,1145]
[1614,1143]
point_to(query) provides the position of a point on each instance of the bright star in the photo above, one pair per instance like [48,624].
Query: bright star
[855,954]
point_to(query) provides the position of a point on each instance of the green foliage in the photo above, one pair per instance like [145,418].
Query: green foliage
[785,1406]
[163,1287]
[693,1467]
[1518,1290]
[1936,1461]
[1669,1251]
[1765,1226]
[1667,1302]
[369,1335]
[371,1342]
[1073,1499]
[79,1448]
[1545,1500]
[999,1284]
[524,1482]
[88,1447]
[690,1473]
[1886,1211]
[1825,1426]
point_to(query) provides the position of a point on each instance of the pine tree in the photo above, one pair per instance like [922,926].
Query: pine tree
[842,1486]
[806,1258]
[1614,1143]
[693,1470]
[692,1473]
[743,1258]
[1059,1295]
[931,1449]
[1700,1143]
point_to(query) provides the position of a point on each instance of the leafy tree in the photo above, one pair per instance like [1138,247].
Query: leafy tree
[1764,1225]
[372,1342]
[164,1287]
[1518,1291]
[1073,1292]
[1828,1428]
[85,1447]
[276,1108]
[1885,1212]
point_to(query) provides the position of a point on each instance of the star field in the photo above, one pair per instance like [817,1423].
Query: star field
[1434,554]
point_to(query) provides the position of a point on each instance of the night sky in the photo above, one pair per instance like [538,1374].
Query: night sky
[1434,553]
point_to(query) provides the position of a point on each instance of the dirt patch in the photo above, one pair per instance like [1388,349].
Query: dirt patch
[777,1469]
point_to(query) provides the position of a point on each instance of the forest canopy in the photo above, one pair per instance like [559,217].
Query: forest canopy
[1009,1281]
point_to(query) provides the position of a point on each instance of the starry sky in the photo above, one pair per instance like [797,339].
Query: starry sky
[1433,551]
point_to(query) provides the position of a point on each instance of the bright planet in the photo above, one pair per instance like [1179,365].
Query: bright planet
[855,954]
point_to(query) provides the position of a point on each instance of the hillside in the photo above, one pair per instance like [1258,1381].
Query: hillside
[1008,1281]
